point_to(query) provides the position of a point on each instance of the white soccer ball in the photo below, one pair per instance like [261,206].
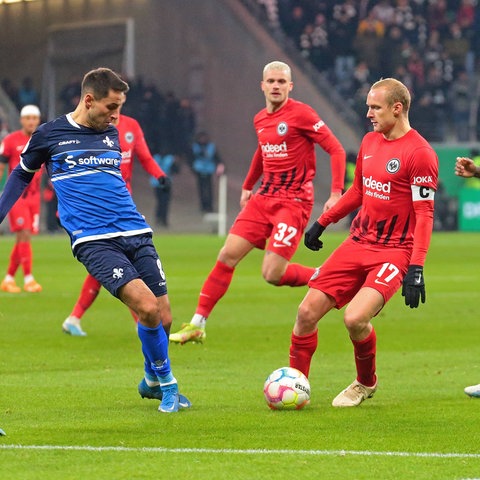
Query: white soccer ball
[287,389]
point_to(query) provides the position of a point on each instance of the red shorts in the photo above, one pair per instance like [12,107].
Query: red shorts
[25,214]
[354,265]
[280,220]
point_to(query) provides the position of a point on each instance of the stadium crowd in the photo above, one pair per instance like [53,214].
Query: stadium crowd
[430,45]
[168,121]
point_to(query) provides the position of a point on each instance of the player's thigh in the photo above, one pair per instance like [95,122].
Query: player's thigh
[252,223]
[20,216]
[312,308]
[386,268]
[288,219]
[147,263]
[106,261]
[234,249]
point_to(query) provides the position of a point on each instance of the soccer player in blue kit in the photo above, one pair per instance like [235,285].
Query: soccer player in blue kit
[109,236]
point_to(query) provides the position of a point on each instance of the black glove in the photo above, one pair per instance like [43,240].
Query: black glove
[413,288]
[312,235]
[164,183]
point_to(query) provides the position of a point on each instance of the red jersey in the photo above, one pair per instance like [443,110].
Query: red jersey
[10,149]
[132,143]
[286,152]
[395,183]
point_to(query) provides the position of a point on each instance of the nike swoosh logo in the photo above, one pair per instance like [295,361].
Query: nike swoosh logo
[261,130]
[276,244]
[381,283]
[367,156]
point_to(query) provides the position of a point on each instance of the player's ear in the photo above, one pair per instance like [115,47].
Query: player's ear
[88,100]
[290,87]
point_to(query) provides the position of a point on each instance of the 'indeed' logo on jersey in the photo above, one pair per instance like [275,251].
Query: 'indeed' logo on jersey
[92,160]
[275,147]
[379,186]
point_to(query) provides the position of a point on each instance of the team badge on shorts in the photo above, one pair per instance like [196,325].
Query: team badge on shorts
[393,165]
[282,128]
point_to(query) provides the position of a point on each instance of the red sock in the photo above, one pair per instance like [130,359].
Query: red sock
[214,288]
[302,349]
[88,294]
[14,261]
[365,351]
[25,257]
[296,275]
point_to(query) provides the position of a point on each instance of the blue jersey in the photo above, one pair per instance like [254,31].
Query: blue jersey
[84,167]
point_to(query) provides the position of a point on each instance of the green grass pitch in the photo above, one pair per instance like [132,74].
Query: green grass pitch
[70,407]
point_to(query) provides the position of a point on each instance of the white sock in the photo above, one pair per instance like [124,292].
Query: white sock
[9,278]
[199,320]
[28,278]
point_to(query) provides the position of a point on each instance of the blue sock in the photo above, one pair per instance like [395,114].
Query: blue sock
[155,350]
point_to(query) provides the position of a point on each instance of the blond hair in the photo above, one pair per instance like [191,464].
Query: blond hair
[395,91]
[277,65]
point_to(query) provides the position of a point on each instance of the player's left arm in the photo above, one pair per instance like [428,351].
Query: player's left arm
[321,134]
[145,157]
[424,185]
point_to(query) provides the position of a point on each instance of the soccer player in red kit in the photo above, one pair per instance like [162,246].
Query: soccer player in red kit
[24,217]
[395,181]
[132,144]
[466,167]
[278,212]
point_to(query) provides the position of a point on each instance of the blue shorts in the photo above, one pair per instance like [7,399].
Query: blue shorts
[116,261]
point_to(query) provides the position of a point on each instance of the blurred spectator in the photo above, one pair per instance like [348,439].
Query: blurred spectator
[185,128]
[169,164]
[70,94]
[27,95]
[367,42]
[460,97]
[10,89]
[343,29]
[457,46]
[314,43]
[205,162]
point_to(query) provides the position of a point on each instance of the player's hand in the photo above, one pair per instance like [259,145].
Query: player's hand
[413,288]
[333,199]
[465,167]
[312,237]
[164,183]
[245,197]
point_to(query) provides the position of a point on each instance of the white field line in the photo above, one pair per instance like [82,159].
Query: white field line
[234,451]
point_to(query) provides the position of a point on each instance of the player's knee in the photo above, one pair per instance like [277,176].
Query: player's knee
[306,317]
[271,276]
[227,257]
[149,313]
[355,322]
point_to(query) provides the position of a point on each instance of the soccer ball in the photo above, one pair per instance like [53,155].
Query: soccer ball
[287,389]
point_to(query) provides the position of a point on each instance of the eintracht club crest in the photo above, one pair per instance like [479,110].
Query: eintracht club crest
[282,128]
[393,165]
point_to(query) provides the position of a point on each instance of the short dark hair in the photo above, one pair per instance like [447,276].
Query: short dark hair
[100,81]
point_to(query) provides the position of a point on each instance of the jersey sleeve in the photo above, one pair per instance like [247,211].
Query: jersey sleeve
[349,201]
[255,171]
[423,180]
[321,134]
[35,153]
[144,156]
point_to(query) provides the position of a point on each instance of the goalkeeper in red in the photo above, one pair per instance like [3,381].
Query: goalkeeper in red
[278,212]
[395,181]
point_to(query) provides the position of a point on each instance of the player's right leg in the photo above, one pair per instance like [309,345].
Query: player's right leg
[88,294]
[304,336]
[214,288]
[8,283]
